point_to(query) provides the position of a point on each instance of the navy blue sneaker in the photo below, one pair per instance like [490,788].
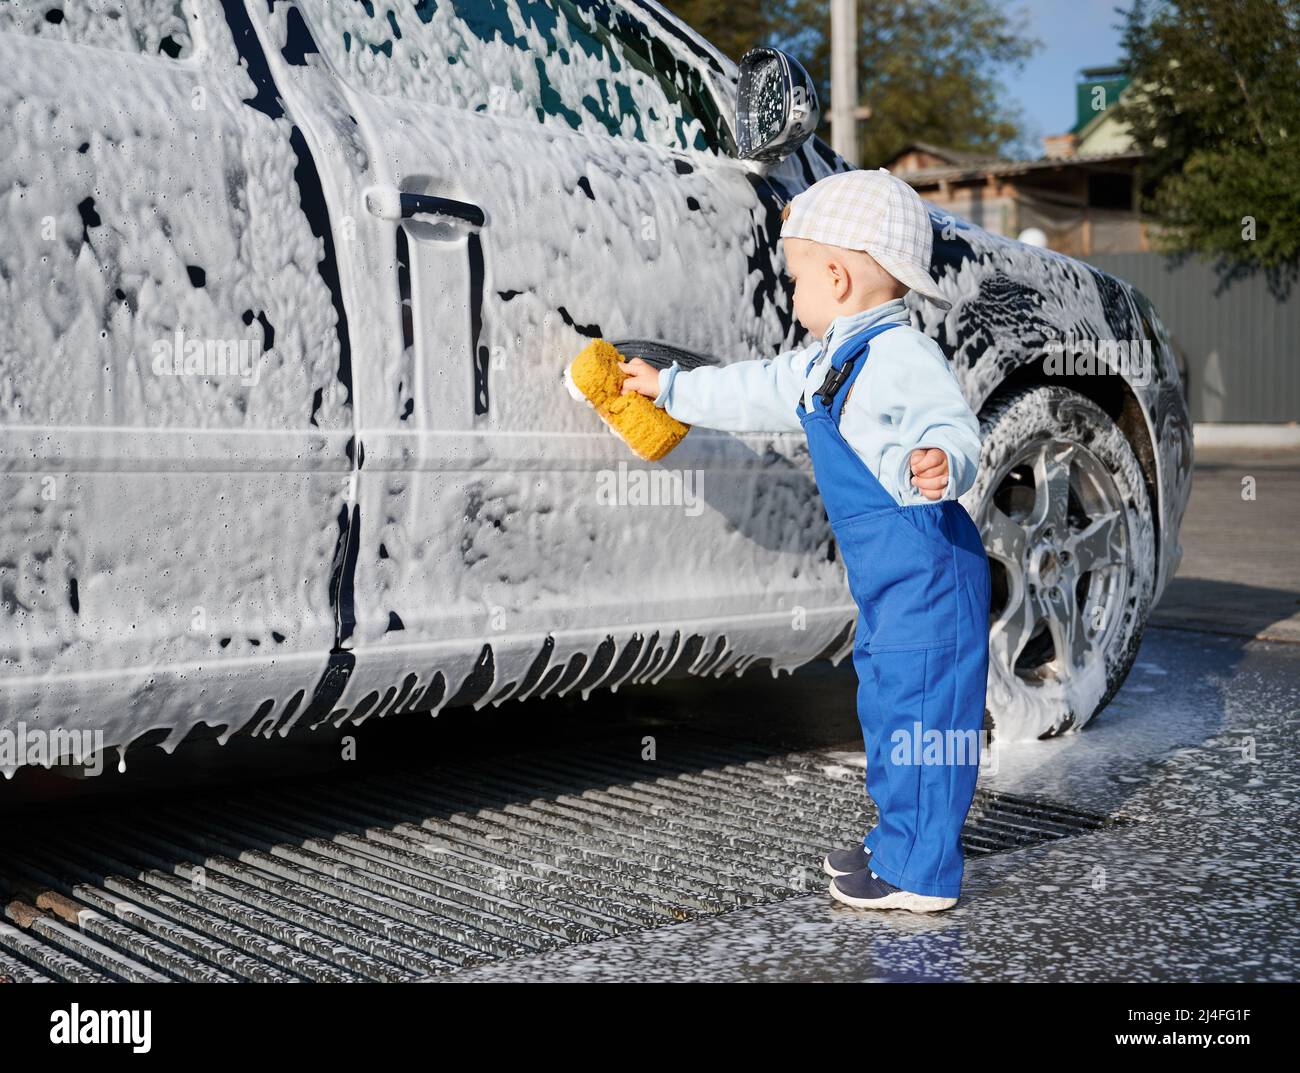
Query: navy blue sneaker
[840,862]
[866,890]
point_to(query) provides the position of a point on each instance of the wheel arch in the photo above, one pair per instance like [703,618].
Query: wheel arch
[1119,402]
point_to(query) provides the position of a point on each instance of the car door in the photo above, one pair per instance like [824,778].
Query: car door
[523,178]
[175,412]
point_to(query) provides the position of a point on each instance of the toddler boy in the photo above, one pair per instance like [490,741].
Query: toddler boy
[890,465]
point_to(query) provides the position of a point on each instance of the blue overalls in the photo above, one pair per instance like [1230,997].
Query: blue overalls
[920,578]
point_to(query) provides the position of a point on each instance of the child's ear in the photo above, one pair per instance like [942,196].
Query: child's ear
[840,281]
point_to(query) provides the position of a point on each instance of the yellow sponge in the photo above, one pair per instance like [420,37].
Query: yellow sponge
[594,377]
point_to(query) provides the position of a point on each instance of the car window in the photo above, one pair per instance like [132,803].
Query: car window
[586,65]
[150,27]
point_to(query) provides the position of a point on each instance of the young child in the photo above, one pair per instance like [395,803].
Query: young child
[893,444]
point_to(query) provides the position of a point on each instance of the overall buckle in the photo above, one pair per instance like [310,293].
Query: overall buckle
[834,380]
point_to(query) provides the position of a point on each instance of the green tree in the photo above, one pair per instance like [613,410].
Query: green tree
[1215,110]
[928,69]
[732,27]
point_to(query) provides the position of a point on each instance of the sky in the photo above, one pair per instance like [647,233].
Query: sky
[1074,34]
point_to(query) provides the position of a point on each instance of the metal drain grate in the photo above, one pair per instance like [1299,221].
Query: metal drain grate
[398,876]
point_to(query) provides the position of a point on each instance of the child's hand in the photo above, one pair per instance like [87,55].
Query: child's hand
[641,376]
[930,471]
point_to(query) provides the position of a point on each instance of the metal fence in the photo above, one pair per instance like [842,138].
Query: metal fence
[1239,344]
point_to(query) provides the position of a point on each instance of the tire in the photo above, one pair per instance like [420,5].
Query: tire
[1063,509]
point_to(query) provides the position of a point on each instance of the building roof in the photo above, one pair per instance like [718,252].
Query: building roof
[1114,80]
[1104,72]
[1114,70]
[1011,167]
[955,157]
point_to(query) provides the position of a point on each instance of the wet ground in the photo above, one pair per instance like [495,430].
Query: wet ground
[1199,752]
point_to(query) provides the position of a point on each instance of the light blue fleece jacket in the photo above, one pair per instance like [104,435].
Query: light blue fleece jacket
[905,397]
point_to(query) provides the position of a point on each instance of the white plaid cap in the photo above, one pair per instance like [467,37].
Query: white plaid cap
[872,211]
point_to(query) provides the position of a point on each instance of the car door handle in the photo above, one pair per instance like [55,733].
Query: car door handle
[660,354]
[389,203]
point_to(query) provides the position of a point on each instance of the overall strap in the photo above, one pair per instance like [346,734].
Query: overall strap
[842,373]
[814,360]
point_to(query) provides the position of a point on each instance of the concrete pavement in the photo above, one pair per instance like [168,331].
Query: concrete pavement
[1241,556]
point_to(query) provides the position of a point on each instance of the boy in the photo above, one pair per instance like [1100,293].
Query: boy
[890,465]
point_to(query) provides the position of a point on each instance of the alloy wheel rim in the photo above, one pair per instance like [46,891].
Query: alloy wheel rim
[1057,537]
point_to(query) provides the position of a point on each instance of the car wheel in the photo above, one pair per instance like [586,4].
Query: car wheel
[1064,513]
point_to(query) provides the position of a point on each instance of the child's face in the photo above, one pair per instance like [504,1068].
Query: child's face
[814,285]
[830,281]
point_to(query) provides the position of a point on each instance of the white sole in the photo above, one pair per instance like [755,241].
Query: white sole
[903,899]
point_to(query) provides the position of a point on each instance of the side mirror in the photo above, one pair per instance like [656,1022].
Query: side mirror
[776,106]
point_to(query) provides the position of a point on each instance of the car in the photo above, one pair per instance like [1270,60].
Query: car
[288,291]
